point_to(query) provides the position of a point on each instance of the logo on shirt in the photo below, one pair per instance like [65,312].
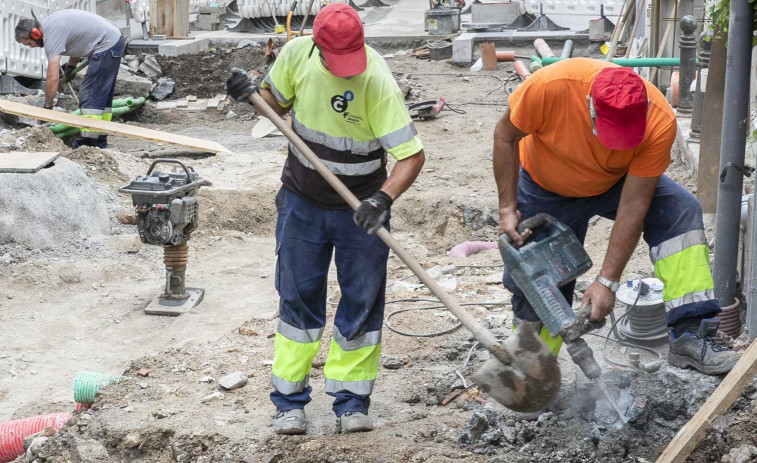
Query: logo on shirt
[339,102]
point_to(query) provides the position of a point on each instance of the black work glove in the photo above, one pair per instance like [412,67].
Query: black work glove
[239,85]
[68,72]
[372,212]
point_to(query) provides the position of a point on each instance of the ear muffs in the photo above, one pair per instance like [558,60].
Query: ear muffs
[35,33]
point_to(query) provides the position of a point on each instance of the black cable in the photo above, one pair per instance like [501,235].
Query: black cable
[442,306]
[613,329]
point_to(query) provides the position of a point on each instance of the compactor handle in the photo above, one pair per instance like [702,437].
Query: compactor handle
[170,161]
[539,220]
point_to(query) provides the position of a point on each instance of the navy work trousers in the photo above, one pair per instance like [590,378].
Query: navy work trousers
[306,238]
[673,212]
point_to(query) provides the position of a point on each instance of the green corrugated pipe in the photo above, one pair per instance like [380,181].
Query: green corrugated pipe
[630,62]
[117,103]
[62,130]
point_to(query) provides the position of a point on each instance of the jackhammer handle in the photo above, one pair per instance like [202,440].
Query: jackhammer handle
[539,220]
[482,335]
[589,325]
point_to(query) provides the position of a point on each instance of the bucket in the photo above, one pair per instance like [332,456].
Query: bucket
[12,433]
[87,384]
[442,21]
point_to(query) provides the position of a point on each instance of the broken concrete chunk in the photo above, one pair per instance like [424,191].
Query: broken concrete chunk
[150,67]
[90,450]
[233,381]
[212,397]
[393,363]
[743,454]
[163,88]
[129,84]
[125,243]
[132,62]
[247,42]
[131,440]
[473,429]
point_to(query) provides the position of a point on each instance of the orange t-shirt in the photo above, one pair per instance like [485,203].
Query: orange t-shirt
[561,153]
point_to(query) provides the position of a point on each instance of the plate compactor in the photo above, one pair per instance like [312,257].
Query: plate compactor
[552,258]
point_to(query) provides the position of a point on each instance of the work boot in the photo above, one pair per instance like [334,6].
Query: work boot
[699,349]
[354,422]
[290,421]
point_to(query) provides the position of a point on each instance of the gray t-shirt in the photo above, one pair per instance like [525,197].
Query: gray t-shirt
[77,33]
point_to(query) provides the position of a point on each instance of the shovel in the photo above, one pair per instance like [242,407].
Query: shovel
[523,375]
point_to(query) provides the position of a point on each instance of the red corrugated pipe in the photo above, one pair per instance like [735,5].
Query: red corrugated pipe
[12,433]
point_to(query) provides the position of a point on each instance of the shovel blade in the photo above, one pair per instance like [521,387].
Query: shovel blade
[530,382]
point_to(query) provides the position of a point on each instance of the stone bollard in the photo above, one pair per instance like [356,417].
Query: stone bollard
[705,40]
[687,69]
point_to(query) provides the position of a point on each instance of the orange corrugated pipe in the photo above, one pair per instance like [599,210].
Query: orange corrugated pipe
[521,69]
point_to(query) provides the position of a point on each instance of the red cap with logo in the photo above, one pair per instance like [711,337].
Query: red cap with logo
[338,32]
[620,104]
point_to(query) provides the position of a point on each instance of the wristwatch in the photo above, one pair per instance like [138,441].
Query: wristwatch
[611,285]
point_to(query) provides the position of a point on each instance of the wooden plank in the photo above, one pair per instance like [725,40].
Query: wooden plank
[180,18]
[114,128]
[730,388]
[17,162]
[169,16]
[157,26]
[711,132]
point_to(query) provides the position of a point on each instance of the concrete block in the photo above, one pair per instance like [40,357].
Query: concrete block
[494,12]
[462,49]
[183,47]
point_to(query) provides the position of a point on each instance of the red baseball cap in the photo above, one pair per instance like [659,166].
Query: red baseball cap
[338,32]
[620,104]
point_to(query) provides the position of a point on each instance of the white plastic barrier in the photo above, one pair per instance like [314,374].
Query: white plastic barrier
[575,13]
[252,9]
[16,58]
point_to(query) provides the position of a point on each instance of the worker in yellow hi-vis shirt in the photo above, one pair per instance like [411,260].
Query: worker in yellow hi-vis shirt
[347,107]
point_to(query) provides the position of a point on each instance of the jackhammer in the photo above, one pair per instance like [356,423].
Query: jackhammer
[553,258]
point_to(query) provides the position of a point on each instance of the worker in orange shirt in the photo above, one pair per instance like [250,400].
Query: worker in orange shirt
[584,137]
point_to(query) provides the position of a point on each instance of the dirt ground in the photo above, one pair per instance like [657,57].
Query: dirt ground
[76,305]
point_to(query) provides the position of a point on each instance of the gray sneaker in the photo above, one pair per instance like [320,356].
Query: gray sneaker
[354,422]
[699,350]
[290,422]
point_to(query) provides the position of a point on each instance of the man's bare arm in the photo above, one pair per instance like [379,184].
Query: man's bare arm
[505,156]
[403,175]
[635,199]
[53,75]
[271,100]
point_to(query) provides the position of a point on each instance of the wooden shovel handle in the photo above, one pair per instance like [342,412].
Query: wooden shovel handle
[481,334]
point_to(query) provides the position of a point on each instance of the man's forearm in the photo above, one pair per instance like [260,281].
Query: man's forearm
[403,175]
[505,164]
[634,202]
[51,86]
[51,90]
[271,100]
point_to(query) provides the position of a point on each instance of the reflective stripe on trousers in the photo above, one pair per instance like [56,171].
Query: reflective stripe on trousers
[686,254]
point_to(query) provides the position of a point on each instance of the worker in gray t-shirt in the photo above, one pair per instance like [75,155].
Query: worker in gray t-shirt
[79,34]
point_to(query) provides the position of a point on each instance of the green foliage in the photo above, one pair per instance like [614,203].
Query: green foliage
[717,11]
